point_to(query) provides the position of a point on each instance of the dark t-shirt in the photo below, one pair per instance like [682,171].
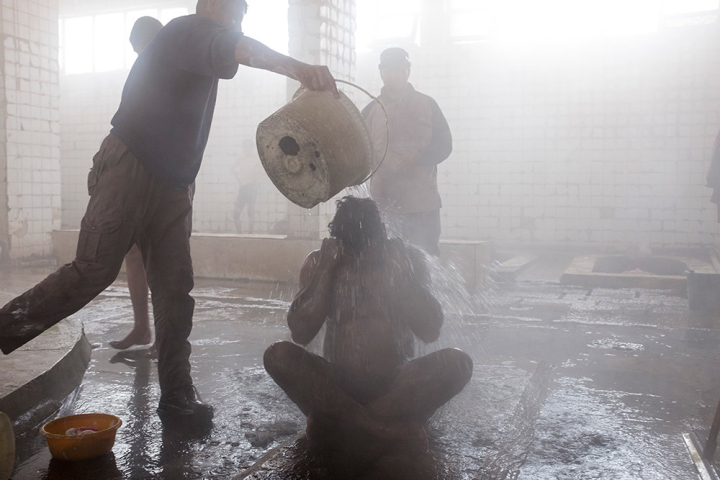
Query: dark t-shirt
[169,97]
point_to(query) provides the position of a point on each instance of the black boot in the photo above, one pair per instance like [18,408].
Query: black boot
[184,402]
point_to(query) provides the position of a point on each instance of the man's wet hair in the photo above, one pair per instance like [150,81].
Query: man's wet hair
[357,222]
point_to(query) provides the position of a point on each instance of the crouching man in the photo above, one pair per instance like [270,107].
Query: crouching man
[366,392]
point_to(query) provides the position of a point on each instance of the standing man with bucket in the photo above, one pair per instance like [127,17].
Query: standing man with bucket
[139,188]
[405,185]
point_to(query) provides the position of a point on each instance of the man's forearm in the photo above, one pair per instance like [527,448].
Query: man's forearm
[315,295]
[255,54]
[309,309]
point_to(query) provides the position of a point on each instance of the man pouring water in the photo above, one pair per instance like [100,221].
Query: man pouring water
[139,187]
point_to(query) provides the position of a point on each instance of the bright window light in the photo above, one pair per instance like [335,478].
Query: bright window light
[471,18]
[109,37]
[78,45]
[365,16]
[524,21]
[379,20]
[632,17]
[101,43]
[266,22]
[395,26]
[676,7]
[464,25]
[61,44]
[168,14]
[395,7]
[468,4]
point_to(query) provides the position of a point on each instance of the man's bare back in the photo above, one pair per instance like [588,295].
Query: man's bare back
[368,336]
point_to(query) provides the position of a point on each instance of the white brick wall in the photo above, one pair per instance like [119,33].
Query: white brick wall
[89,102]
[32,148]
[322,33]
[602,143]
[242,103]
[580,145]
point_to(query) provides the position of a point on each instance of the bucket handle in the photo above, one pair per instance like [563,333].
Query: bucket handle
[387,128]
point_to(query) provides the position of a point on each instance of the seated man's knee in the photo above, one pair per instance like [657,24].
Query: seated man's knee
[279,355]
[460,364]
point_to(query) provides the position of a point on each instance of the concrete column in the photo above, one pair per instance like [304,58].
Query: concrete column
[3,159]
[320,32]
[30,158]
[304,44]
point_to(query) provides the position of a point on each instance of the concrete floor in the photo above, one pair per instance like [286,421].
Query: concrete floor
[569,383]
[37,378]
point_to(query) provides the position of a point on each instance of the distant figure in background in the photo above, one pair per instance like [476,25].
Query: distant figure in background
[372,292]
[405,185]
[247,171]
[142,33]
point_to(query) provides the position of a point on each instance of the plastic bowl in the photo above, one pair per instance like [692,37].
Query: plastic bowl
[81,447]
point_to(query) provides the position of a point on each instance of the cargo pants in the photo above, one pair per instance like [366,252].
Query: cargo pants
[127,205]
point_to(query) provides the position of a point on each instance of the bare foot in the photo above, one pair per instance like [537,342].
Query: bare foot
[133,338]
[152,351]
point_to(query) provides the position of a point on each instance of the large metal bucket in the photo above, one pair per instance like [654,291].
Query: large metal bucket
[315,146]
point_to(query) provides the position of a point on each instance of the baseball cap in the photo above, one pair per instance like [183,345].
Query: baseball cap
[394,57]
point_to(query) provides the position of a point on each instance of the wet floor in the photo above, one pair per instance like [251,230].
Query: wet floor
[569,383]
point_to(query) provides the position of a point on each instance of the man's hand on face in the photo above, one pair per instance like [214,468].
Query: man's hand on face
[317,77]
[330,252]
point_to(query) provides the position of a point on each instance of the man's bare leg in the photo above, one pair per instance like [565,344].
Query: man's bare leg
[424,385]
[310,382]
[251,216]
[137,284]
[236,216]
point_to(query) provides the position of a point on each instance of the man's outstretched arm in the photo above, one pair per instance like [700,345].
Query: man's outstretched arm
[255,54]
[310,306]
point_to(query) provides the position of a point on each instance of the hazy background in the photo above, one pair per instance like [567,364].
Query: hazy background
[575,122]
